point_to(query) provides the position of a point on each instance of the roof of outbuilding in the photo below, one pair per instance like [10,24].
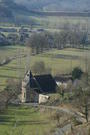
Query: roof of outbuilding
[63,78]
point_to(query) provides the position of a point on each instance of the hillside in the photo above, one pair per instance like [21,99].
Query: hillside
[13,12]
[26,11]
[56,5]
[12,6]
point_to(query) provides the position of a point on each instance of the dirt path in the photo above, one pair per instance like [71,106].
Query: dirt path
[79,116]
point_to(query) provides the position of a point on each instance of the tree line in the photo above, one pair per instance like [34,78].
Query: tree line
[40,42]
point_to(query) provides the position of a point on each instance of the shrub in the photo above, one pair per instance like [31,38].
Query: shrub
[77,73]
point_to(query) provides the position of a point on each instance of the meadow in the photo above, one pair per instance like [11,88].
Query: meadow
[51,23]
[22,120]
[55,23]
[60,61]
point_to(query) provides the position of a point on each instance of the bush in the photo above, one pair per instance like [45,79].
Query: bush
[77,73]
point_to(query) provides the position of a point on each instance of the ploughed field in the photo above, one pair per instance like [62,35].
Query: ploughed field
[60,61]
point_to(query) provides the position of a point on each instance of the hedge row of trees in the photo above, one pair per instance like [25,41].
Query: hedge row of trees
[39,42]
[45,40]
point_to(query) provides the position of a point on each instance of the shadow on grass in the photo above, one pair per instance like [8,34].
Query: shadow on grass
[2,85]
[8,69]
[61,56]
[31,122]
[12,67]
[6,76]
[5,119]
[18,115]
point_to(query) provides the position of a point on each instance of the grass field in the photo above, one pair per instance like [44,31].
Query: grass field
[9,70]
[25,121]
[55,23]
[60,61]
[52,23]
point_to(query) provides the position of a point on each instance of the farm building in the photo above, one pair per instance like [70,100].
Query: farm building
[34,87]
[63,80]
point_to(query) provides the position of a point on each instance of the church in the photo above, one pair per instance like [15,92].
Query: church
[35,85]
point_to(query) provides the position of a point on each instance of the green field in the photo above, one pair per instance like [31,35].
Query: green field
[57,22]
[18,120]
[52,23]
[60,61]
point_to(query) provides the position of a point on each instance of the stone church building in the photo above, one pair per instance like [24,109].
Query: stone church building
[34,86]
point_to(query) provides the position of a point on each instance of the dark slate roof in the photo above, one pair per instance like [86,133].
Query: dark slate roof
[45,83]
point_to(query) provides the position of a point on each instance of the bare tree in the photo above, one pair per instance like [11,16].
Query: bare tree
[13,89]
[38,42]
[40,68]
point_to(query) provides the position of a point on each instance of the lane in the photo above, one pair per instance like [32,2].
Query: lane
[79,116]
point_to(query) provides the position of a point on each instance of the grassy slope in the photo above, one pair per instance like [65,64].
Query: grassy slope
[21,15]
[59,61]
[10,70]
[55,4]
[26,119]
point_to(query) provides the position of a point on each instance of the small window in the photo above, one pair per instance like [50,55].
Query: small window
[24,95]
